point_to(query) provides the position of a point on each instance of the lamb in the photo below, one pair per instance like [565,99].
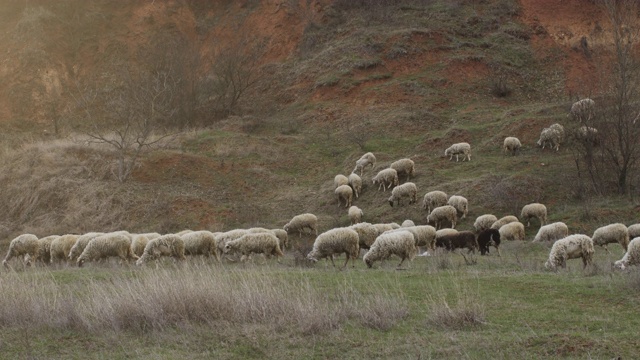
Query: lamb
[551,137]
[433,199]
[457,149]
[484,222]
[511,145]
[404,167]
[386,179]
[535,210]
[355,182]
[165,245]
[408,190]
[460,240]
[571,247]
[364,161]
[610,234]
[61,247]
[340,180]
[552,232]
[344,192]
[460,203]
[81,243]
[336,241]
[503,221]
[399,243]
[582,110]
[442,214]
[488,237]
[200,243]
[301,222]
[255,243]
[512,231]
[139,241]
[108,245]
[367,234]
[355,214]
[23,245]
[631,257]
[634,231]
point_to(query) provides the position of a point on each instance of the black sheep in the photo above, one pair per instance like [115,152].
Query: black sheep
[460,240]
[488,237]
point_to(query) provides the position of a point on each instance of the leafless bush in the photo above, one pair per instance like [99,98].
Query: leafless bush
[499,87]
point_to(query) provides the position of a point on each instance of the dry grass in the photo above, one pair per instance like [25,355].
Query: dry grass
[455,309]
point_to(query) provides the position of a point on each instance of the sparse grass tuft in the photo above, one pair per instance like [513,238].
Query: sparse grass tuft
[459,310]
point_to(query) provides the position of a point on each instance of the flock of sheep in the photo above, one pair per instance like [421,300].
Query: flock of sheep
[380,240]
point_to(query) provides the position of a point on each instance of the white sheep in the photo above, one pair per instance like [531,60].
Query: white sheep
[44,254]
[223,238]
[399,243]
[634,231]
[385,227]
[407,223]
[433,199]
[571,247]
[139,241]
[610,234]
[458,149]
[340,180]
[424,235]
[559,130]
[336,241]
[631,257]
[282,235]
[355,214]
[81,243]
[511,145]
[512,231]
[551,137]
[443,232]
[582,110]
[503,221]
[367,234]
[386,179]
[186,231]
[108,245]
[23,245]
[344,192]
[301,222]
[460,203]
[364,161]
[404,167]
[61,247]
[552,232]
[534,210]
[165,245]
[201,242]
[441,215]
[355,182]
[406,190]
[484,222]
[587,134]
[255,243]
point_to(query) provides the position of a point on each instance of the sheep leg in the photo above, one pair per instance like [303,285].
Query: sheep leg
[331,258]
[346,261]
[401,261]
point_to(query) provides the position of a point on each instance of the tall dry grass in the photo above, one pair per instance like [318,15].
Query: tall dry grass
[155,300]
[454,306]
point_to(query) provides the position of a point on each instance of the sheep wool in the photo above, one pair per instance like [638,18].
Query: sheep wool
[407,223]
[400,243]
[484,222]
[25,244]
[634,231]
[610,234]
[301,222]
[44,251]
[460,203]
[81,243]
[223,238]
[282,235]
[355,215]
[344,192]
[61,247]
[582,110]
[340,180]
[385,227]
[355,182]
[512,231]
[200,243]
[108,245]
[433,199]
[571,247]
[386,179]
[406,190]
[503,221]
[631,257]
[424,235]
[552,232]
[367,234]
[404,167]
[534,210]
[364,161]
[165,245]
[441,215]
[139,241]
[255,243]
[462,148]
[511,145]
[336,241]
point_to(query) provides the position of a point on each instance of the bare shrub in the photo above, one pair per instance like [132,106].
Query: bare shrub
[499,87]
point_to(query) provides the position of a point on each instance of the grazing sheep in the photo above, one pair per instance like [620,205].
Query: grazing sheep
[367,234]
[340,180]
[457,149]
[407,223]
[44,251]
[406,190]
[442,232]
[165,245]
[301,222]
[424,235]
[634,231]
[610,234]
[336,241]
[255,243]
[460,203]
[25,244]
[631,257]
[108,245]
[433,199]
[587,134]
[400,243]
[551,137]
[552,232]
[385,227]
[536,210]
[61,247]
[503,221]
[582,110]
[559,130]
[441,215]
[200,243]
[512,231]
[386,178]
[282,235]
[404,167]
[344,192]
[364,161]
[460,240]
[511,145]
[81,243]
[223,238]
[488,237]
[355,214]
[571,247]
[139,241]
[355,182]
[484,222]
